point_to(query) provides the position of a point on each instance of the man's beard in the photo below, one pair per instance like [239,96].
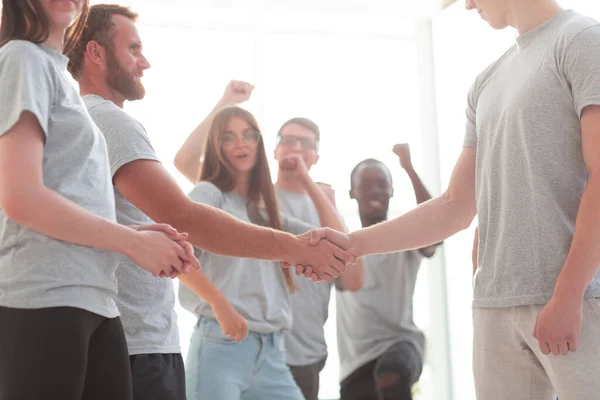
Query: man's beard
[121,81]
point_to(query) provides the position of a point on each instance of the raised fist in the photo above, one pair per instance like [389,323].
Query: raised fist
[237,92]
[403,152]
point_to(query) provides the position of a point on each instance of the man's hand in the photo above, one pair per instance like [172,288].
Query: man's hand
[558,325]
[233,325]
[329,240]
[403,152]
[295,164]
[178,237]
[236,92]
[328,191]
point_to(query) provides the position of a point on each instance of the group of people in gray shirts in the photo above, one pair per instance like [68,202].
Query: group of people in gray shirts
[93,228]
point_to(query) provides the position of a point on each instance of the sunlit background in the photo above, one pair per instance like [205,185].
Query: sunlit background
[371,73]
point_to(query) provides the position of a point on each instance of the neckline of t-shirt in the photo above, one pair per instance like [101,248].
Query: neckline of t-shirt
[527,38]
[55,55]
[93,96]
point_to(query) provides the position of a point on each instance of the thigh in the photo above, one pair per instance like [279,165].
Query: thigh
[158,377]
[218,367]
[360,385]
[108,370]
[44,352]
[504,366]
[273,379]
[575,375]
[307,378]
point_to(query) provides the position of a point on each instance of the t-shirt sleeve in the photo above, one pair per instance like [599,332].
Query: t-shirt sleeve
[581,66]
[295,226]
[27,83]
[126,138]
[471,128]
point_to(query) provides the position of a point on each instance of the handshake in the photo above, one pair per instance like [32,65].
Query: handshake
[320,254]
[324,255]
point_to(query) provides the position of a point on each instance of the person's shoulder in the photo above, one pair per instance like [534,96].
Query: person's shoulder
[24,53]
[578,38]
[104,112]
[574,28]
[575,25]
[22,47]
[98,104]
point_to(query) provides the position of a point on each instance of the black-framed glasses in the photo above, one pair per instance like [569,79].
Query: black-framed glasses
[305,142]
[230,139]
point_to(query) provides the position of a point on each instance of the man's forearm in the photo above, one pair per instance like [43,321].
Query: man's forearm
[584,256]
[429,223]
[217,232]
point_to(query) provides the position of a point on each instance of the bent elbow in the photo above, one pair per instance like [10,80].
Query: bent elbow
[13,207]
[462,211]
[465,220]
[470,215]
[355,284]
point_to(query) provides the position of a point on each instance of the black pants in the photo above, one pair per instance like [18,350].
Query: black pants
[62,353]
[307,378]
[389,377]
[158,377]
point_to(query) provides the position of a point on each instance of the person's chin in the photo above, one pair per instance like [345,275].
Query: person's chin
[137,95]
[497,25]
[244,168]
[376,215]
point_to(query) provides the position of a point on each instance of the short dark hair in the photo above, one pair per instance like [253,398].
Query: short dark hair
[99,29]
[369,162]
[26,20]
[305,123]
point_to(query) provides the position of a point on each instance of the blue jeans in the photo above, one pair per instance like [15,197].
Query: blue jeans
[218,368]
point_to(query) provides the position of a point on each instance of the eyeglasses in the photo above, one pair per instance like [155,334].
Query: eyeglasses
[305,142]
[249,138]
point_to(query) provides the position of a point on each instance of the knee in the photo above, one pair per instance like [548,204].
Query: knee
[388,380]
[390,372]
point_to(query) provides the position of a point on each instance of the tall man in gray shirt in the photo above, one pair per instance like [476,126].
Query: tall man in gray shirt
[530,170]
[108,64]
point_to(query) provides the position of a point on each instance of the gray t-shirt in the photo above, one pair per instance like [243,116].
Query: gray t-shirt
[378,316]
[523,116]
[146,303]
[37,271]
[305,343]
[255,288]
